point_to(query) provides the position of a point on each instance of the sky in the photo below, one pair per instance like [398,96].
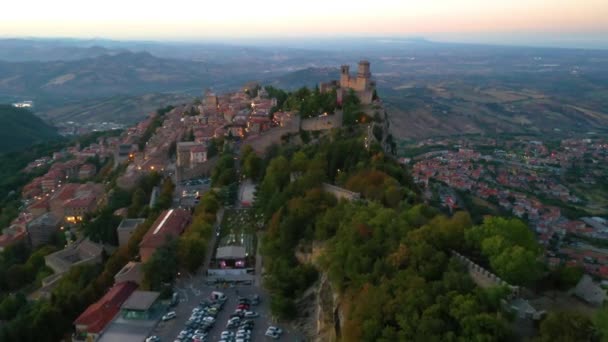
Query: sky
[185,20]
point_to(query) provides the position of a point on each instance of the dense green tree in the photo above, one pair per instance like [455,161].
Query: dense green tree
[138,202]
[224,172]
[601,323]
[510,247]
[103,227]
[566,327]
[156,272]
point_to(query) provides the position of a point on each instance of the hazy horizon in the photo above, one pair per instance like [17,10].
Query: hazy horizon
[557,23]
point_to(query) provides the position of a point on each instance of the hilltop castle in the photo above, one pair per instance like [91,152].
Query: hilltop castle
[362,84]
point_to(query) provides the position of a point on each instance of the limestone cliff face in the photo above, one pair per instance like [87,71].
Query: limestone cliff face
[324,317]
[329,315]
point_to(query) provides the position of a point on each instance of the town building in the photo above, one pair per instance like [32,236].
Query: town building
[125,152]
[190,154]
[132,272]
[72,201]
[41,229]
[126,228]
[170,224]
[87,171]
[92,322]
[79,253]
[142,305]
[231,256]
[137,318]
[589,291]
[12,235]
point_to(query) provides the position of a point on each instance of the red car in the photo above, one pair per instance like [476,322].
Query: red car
[243,306]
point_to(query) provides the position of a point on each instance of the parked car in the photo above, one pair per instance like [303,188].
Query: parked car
[169,315]
[219,296]
[153,339]
[273,334]
[251,314]
[226,334]
[277,329]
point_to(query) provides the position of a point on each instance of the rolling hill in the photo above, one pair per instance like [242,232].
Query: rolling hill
[20,128]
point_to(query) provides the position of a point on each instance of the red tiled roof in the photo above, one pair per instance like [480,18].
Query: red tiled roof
[87,167]
[169,223]
[100,313]
[66,192]
[79,202]
[198,148]
[43,203]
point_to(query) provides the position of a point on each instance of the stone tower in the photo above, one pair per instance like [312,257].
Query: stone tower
[363,76]
[345,76]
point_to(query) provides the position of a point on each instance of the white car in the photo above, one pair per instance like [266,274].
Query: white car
[251,314]
[273,334]
[153,339]
[226,334]
[169,315]
[275,329]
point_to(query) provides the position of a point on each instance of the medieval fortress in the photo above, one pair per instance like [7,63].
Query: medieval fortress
[361,84]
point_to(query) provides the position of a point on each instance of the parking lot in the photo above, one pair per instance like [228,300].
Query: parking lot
[186,192]
[192,289]
[191,296]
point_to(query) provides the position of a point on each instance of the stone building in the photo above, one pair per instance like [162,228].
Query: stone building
[126,228]
[42,229]
[361,84]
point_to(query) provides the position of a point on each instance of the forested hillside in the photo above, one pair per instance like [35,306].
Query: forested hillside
[388,257]
[20,128]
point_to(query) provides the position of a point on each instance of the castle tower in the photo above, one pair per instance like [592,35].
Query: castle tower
[364,69]
[363,76]
[344,76]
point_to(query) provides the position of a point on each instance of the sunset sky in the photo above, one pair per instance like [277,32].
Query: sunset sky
[204,19]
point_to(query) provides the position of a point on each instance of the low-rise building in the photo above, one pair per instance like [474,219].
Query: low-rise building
[142,305]
[87,171]
[12,235]
[589,291]
[132,272]
[126,228]
[92,322]
[72,201]
[79,253]
[170,224]
[41,229]
[190,154]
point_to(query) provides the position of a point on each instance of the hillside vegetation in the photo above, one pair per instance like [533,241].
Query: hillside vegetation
[20,128]
[388,257]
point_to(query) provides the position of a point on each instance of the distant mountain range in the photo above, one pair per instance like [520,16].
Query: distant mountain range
[20,128]
[105,75]
[431,88]
[44,50]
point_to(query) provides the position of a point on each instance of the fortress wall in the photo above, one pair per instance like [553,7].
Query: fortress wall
[322,123]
